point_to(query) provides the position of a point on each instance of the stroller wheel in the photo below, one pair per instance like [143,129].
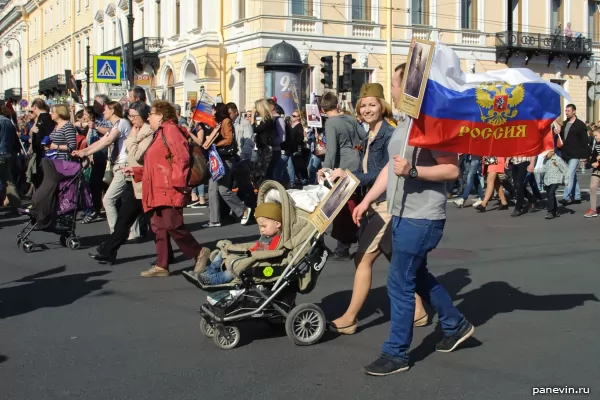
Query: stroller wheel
[63,240]
[73,243]
[27,246]
[19,241]
[228,338]
[305,324]
[207,329]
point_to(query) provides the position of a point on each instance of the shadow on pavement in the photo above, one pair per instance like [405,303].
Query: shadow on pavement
[5,223]
[478,305]
[3,358]
[41,291]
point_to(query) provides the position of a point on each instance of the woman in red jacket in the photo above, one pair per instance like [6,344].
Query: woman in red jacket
[164,188]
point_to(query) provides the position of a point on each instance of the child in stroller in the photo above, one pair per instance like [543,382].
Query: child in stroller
[265,283]
[268,218]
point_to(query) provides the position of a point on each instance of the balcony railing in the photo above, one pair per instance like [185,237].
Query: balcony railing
[56,83]
[363,31]
[141,48]
[471,38]
[534,44]
[421,33]
[12,94]
[304,26]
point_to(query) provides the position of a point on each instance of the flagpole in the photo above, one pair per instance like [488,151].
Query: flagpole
[410,124]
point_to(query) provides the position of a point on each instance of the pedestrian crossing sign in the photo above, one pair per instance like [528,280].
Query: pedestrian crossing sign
[107,69]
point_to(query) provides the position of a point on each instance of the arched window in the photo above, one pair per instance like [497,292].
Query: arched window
[170,86]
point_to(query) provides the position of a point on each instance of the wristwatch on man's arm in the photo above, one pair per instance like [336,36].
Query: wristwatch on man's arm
[413,173]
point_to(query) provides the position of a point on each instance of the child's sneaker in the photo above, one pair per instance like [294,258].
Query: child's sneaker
[590,214]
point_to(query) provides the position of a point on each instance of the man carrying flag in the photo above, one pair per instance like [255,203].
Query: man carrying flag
[501,113]
[416,196]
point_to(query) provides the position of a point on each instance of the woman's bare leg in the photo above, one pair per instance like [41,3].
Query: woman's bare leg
[362,285]
[489,191]
[360,291]
[500,190]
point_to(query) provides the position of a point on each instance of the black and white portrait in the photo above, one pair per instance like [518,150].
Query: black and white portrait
[337,197]
[416,69]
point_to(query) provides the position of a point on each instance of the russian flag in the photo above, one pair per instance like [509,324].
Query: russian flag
[203,114]
[500,113]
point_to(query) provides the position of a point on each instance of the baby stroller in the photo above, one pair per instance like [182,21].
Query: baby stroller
[267,282]
[55,203]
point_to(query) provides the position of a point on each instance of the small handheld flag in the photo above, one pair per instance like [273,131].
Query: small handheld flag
[203,112]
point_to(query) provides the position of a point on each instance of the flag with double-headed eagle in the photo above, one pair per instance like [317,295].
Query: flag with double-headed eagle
[203,111]
[499,113]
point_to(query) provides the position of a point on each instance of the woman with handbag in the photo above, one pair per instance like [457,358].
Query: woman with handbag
[164,178]
[113,112]
[375,236]
[493,167]
[226,146]
[136,144]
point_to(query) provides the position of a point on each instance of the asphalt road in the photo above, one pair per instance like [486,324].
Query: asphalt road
[73,329]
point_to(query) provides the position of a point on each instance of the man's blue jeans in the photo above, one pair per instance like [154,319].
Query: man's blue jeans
[412,240]
[287,164]
[572,191]
[532,181]
[473,179]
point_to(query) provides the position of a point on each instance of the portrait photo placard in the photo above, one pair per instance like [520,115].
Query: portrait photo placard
[313,116]
[332,204]
[416,74]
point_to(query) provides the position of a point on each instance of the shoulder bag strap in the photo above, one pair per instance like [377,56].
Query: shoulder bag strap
[169,154]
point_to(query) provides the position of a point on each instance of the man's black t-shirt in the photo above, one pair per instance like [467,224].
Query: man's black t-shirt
[45,127]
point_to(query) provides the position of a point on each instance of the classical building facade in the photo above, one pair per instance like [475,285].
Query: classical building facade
[218,45]
[52,36]
[14,81]
[182,47]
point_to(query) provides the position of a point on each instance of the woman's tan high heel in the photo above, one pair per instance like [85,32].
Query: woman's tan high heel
[344,330]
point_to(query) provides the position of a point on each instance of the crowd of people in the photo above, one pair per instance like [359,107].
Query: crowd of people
[138,172]
[576,147]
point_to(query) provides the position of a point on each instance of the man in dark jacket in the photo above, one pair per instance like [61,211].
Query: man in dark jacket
[575,148]
[8,136]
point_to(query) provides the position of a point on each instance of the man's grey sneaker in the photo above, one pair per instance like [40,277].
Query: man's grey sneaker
[386,365]
[449,343]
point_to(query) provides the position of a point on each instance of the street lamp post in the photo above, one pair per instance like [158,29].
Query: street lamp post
[9,54]
[130,47]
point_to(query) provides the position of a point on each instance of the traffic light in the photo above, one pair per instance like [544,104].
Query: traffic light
[347,74]
[327,71]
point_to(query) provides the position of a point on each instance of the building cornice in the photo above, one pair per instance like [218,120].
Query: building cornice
[206,41]
[349,44]
[10,18]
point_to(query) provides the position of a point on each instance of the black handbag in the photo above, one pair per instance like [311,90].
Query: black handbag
[229,150]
